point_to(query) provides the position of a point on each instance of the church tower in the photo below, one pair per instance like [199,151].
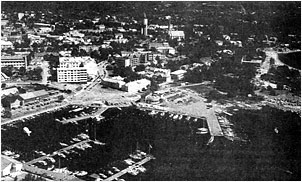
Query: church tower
[145,26]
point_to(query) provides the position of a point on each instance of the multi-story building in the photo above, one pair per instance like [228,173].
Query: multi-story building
[17,61]
[178,74]
[72,70]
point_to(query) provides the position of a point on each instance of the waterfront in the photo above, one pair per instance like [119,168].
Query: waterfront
[271,153]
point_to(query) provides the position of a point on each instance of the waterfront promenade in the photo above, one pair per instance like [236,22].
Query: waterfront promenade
[33,114]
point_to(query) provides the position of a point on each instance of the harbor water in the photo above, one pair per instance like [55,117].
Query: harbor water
[271,151]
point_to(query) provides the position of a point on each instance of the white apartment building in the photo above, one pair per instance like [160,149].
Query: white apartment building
[72,70]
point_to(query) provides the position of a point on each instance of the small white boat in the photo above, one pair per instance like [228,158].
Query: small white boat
[76,139]
[98,142]
[133,156]
[103,175]
[133,172]
[82,173]
[51,159]
[129,161]
[175,117]
[195,120]
[188,118]
[162,114]
[8,153]
[80,147]
[63,144]
[141,169]
[180,117]
[51,167]
[202,131]
[116,169]
[110,172]
[16,156]
[171,115]
[61,155]
[42,162]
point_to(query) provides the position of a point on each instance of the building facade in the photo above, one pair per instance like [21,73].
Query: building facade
[17,61]
[72,70]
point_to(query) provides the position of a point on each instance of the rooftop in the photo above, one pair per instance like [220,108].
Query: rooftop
[34,94]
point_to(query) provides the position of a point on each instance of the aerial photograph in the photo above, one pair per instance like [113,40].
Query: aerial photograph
[150,91]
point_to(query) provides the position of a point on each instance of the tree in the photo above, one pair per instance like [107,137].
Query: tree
[140,68]
[8,70]
[83,53]
[154,86]
[75,52]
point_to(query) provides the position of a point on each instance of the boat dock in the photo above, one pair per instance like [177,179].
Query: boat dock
[56,152]
[71,120]
[213,124]
[119,174]
[211,118]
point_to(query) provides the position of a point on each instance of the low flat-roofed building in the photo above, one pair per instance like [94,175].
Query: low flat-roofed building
[114,82]
[34,96]
[9,166]
[136,86]
[177,34]
[178,74]
[17,61]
